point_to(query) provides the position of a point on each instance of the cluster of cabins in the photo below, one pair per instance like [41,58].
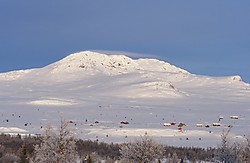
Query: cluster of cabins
[215,124]
[199,125]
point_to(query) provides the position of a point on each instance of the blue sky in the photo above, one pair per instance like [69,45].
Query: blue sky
[204,37]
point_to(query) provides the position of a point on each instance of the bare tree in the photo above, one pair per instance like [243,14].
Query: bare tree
[226,153]
[57,147]
[234,151]
[175,158]
[9,158]
[242,150]
[141,150]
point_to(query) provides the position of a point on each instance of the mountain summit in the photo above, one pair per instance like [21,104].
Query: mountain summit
[111,64]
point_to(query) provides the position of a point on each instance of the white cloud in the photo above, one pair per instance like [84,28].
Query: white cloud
[129,54]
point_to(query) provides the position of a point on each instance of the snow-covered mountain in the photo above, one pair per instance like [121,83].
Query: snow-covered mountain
[98,91]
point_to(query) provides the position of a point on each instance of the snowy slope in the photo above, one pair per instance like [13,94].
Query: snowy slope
[88,86]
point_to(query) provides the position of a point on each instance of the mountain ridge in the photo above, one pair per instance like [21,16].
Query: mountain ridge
[121,76]
[107,64]
[110,89]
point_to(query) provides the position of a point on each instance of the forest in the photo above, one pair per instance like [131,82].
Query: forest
[59,145]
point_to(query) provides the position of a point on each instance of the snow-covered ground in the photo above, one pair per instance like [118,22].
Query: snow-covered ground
[96,92]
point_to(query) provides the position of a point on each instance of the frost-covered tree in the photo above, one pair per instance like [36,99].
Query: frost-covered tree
[242,150]
[235,150]
[226,152]
[247,150]
[58,146]
[175,158]
[9,158]
[141,150]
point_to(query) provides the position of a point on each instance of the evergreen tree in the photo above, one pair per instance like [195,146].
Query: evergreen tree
[23,154]
[88,159]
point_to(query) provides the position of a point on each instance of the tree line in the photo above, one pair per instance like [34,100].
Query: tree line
[60,146]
